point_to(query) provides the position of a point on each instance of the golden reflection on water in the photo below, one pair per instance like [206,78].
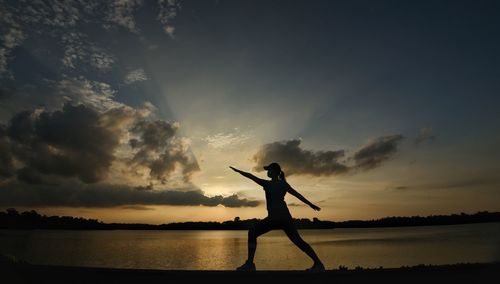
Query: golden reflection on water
[214,250]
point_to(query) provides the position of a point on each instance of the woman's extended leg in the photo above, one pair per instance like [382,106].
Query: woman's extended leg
[294,236]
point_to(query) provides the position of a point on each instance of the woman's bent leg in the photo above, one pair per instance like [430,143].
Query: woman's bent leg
[259,229]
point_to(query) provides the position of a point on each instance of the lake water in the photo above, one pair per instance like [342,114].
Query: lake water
[225,250]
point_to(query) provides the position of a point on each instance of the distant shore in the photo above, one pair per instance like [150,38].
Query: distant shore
[11,219]
[20,272]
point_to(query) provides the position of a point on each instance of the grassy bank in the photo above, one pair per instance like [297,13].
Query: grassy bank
[14,271]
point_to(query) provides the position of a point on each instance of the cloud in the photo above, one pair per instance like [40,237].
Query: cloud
[3,60]
[234,201]
[13,37]
[17,18]
[425,134]
[457,183]
[223,140]
[75,194]
[86,151]
[121,12]
[93,94]
[79,141]
[79,49]
[101,60]
[295,160]
[71,142]
[52,95]
[376,151]
[7,168]
[167,12]
[71,13]
[138,207]
[64,157]
[32,176]
[53,13]
[158,148]
[74,49]
[137,75]
[66,21]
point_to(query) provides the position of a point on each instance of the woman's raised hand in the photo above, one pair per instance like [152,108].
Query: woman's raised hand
[315,207]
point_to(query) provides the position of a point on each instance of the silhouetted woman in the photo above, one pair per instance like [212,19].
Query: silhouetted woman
[278,215]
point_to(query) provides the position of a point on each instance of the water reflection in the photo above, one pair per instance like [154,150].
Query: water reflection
[388,247]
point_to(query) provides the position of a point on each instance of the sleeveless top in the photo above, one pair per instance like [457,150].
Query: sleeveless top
[275,199]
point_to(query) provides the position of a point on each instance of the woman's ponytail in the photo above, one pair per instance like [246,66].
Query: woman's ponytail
[282,176]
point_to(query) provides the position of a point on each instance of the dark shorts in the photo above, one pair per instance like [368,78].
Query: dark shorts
[275,223]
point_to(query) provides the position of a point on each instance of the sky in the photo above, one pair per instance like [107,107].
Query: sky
[133,111]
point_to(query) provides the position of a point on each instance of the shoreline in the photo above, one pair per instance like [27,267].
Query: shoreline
[22,272]
[31,220]
[238,229]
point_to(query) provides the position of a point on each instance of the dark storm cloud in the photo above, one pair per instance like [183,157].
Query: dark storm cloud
[295,160]
[160,150]
[79,141]
[376,151]
[76,194]
[32,176]
[153,134]
[3,93]
[70,142]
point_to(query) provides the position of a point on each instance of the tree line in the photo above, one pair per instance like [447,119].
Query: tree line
[12,219]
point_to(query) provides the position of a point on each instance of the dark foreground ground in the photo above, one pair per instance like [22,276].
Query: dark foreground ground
[459,273]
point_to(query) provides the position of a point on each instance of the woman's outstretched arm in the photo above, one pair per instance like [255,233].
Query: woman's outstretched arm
[250,176]
[302,198]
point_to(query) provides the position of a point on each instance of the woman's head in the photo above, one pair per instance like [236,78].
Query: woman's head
[274,171]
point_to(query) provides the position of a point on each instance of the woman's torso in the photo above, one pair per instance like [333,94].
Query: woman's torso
[275,199]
